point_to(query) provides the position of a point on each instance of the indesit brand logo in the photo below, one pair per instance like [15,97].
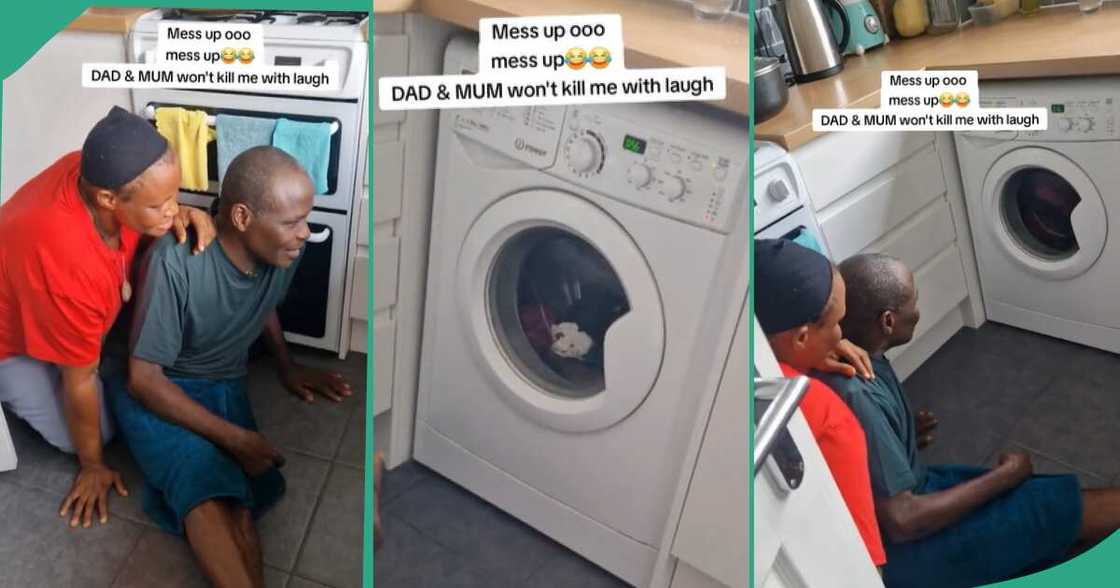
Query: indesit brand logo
[521,145]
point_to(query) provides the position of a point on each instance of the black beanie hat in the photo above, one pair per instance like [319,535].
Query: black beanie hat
[119,148]
[792,284]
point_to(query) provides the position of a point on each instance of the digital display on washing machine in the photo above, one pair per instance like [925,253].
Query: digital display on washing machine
[1057,108]
[632,143]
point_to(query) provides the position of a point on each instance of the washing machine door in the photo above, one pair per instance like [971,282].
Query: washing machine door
[1045,213]
[565,313]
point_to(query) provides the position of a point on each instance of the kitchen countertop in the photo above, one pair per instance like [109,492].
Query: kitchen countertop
[1057,42]
[656,33]
[107,20]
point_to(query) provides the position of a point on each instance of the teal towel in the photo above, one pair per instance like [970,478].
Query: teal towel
[238,133]
[805,239]
[310,144]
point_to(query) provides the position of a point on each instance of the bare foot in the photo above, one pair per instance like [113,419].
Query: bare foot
[378,470]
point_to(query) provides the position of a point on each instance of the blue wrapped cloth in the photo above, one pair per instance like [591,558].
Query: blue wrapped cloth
[239,133]
[1027,529]
[181,469]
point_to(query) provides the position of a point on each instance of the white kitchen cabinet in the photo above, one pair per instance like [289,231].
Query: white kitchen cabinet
[900,193]
[47,112]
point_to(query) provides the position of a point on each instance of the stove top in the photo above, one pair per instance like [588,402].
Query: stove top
[278,17]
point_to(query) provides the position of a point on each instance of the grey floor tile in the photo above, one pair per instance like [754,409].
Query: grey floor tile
[298,582]
[467,525]
[274,578]
[1075,423]
[568,570]
[315,429]
[41,466]
[332,550]
[409,559]
[960,438]
[39,549]
[352,450]
[283,528]
[399,479]
[1045,465]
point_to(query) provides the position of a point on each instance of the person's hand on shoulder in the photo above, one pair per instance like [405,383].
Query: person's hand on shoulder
[202,223]
[307,382]
[849,360]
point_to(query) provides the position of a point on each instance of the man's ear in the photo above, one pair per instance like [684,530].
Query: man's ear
[801,337]
[241,216]
[887,322]
[107,199]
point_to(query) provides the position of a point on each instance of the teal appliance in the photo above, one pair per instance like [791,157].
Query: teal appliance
[866,29]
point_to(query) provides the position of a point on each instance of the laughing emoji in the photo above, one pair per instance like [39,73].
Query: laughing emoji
[947,99]
[229,54]
[245,55]
[576,57]
[600,57]
[962,99]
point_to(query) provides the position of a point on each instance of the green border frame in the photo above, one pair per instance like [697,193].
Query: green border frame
[27,27]
[1092,568]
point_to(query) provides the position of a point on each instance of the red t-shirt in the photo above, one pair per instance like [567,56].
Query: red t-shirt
[60,285]
[844,448]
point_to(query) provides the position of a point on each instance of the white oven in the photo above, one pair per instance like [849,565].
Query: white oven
[312,313]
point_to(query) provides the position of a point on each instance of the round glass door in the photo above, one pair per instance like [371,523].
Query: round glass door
[553,297]
[1037,205]
[1045,213]
[561,310]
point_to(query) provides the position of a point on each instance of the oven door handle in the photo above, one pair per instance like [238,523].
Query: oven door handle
[321,236]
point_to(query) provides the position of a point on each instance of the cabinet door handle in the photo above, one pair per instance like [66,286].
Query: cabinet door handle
[771,436]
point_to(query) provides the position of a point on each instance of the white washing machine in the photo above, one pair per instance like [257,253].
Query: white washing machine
[628,221]
[1043,207]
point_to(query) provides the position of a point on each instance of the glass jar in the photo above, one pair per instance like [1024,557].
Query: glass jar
[944,16]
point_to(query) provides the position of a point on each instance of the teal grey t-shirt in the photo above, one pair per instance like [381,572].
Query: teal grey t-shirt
[197,315]
[888,423]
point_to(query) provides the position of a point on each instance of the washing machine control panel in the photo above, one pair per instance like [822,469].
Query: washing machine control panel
[529,134]
[651,168]
[1076,118]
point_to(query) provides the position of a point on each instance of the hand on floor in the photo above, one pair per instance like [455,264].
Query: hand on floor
[91,491]
[306,382]
[926,422]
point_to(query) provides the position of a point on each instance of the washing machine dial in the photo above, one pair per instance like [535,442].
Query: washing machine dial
[640,175]
[1084,124]
[673,188]
[585,153]
[1066,124]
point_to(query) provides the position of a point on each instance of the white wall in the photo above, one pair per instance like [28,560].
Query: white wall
[47,113]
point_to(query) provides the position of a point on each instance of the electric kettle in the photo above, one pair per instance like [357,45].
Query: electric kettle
[813,51]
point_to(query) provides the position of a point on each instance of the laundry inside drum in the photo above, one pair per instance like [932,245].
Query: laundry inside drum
[552,298]
[1037,206]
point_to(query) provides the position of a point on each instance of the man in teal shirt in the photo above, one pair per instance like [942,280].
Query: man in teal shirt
[949,525]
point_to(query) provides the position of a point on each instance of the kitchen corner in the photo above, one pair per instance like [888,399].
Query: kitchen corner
[1054,42]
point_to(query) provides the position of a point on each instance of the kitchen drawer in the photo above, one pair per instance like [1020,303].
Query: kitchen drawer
[838,163]
[359,288]
[386,254]
[384,354]
[363,219]
[390,59]
[862,217]
[388,181]
[920,238]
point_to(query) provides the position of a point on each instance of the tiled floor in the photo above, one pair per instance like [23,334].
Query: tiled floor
[999,388]
[310,540]
[439,535]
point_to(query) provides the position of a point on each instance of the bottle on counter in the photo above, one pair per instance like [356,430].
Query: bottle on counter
[911,18]
[944,16]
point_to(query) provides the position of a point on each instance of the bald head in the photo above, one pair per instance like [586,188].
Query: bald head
[254,177]
[878,285]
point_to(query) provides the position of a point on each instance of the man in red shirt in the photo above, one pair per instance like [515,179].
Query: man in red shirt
[799,301]
[69,237]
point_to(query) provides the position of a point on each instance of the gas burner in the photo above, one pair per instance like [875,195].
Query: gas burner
[267,17]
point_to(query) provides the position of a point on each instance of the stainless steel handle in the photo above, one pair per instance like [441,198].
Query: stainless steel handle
[321,236]
[777,415]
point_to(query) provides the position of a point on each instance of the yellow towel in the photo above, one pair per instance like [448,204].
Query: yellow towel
[188,134]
